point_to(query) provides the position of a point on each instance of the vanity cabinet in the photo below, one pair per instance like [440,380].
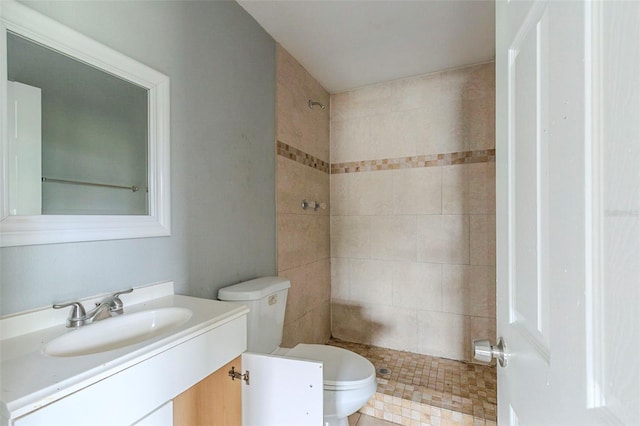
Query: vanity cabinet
[143,392]
[216,400]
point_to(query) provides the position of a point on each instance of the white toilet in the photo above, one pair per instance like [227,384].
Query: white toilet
[349,379]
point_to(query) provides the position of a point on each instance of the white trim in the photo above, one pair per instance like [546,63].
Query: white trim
[29,230]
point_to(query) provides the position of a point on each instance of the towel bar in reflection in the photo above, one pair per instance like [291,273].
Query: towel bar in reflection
[103,185]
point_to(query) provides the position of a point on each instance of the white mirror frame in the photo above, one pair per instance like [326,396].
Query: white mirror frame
[49,229]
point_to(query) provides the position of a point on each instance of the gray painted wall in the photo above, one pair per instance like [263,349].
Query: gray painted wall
[222,69]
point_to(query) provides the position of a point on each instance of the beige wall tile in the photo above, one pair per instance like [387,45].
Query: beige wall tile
[474,88]
[321,318]
[482,188]
[352,322]
[482,291]
[371,193]
[482,328]
[417,92]
[305,239]
[417,285]
[350,140]
[303,236]
[317,189]
[289,71]
[307,317]
[450,125]
[350,236]
[301,330]
[483,239]
[370,100]
[435,131]
[339,194]
[297,125]
[455,185]
[469,290]
[290,189]
[286,247]
[302,119]
[322,131]
[469,188]
[296,302]
[443,334]
[340,103]
[322,237]
[340,278]
[370,281]
[417,191]
[398,328]
[482,110]
[319,275]
[393,237]
[443,239]
[294,332]
[285,128]
[393,135]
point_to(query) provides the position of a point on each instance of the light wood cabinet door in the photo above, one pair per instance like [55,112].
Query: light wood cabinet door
[214,401]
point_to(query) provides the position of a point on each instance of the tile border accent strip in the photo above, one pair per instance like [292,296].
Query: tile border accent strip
[301,157]
[416,161]
[412,162]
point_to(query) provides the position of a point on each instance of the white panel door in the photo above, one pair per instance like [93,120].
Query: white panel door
[568,211]
[24,119]
[281,391]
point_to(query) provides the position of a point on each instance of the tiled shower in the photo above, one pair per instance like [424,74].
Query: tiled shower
[400,253]
[413,212]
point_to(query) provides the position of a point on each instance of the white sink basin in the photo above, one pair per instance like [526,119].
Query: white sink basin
[117,332]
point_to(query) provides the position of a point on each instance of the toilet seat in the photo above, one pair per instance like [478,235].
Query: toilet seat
[342,369]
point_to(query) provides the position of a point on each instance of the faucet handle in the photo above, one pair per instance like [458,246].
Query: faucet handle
[117,305]
[118,293]
[76,315]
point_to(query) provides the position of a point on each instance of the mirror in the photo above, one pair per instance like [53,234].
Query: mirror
[85,137]
[92,140]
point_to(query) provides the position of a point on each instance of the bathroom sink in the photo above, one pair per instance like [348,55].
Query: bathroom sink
[117,332]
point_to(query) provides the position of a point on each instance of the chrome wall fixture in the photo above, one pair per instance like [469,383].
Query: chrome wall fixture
[313,205]
[312,103]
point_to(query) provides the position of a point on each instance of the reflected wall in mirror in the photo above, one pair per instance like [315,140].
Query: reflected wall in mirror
[84,136]
[92,139]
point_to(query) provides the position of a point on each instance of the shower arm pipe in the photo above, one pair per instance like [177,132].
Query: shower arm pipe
[312,103]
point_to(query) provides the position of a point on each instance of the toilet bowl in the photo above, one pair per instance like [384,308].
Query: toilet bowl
[349,379]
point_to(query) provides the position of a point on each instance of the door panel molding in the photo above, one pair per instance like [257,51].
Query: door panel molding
[527,147]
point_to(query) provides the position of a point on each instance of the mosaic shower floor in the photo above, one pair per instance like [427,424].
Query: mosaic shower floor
[425,390]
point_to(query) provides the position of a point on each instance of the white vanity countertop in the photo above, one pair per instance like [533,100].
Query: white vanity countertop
[30,379]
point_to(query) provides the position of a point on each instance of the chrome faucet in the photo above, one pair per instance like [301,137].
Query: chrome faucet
[106,308]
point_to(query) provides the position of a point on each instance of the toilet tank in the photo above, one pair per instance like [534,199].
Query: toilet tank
[266,298]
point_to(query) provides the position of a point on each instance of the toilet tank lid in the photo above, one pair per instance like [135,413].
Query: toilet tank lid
[254,289]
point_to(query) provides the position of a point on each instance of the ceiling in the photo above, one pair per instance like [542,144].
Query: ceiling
[349,44]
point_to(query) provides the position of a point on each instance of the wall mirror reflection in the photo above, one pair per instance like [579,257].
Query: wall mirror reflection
[84,135]
[77,136]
